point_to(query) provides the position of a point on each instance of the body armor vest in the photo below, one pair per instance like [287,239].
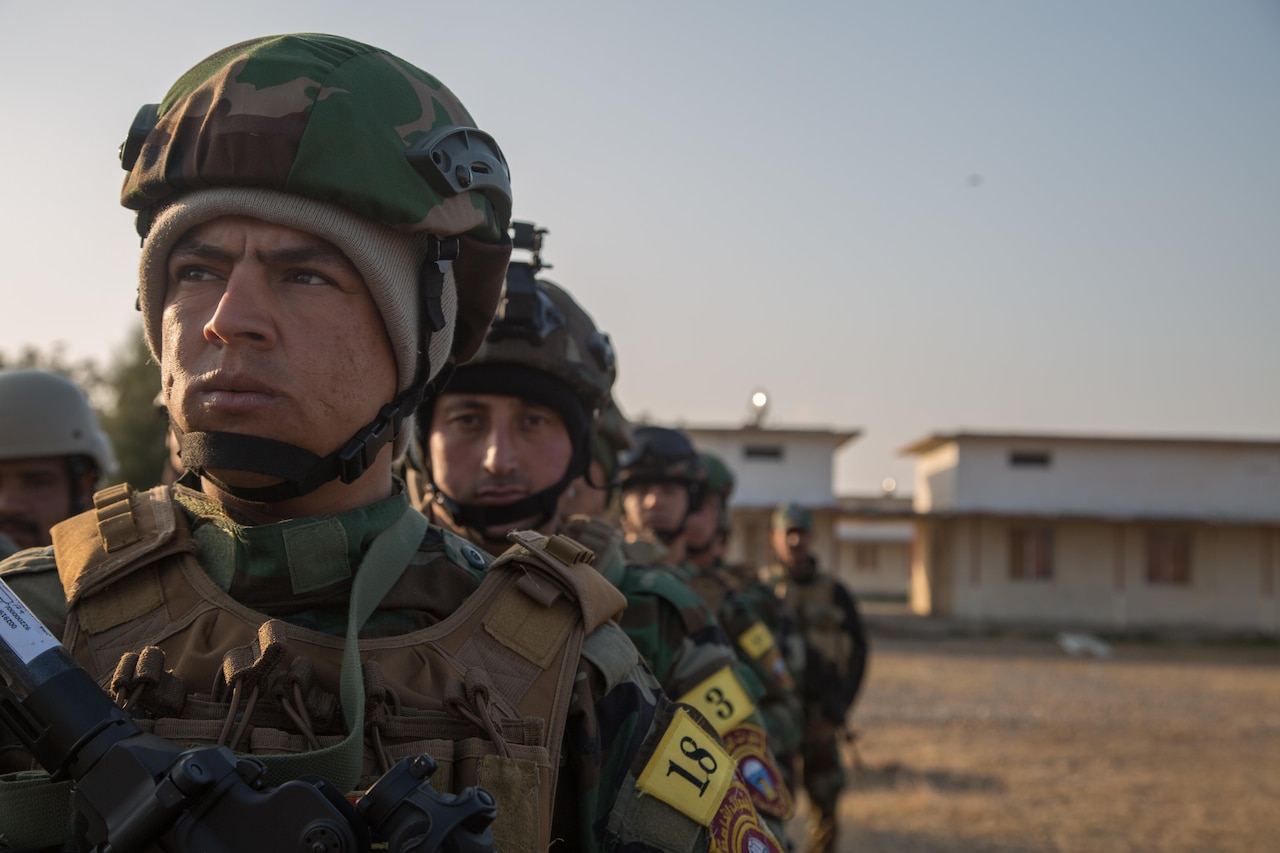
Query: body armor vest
[819,620]
[484,692]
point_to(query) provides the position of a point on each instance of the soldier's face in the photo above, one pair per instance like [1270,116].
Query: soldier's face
[270,331]
[792,546]
[493,450]
[655,506]
[35,494]
[700,529]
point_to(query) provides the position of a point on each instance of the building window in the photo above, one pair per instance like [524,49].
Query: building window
[866,557]
[1169,556]
[1031,553]
[1030,459]
[772,452]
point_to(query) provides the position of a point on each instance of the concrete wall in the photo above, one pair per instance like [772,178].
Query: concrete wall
[961,569]
[1100,478]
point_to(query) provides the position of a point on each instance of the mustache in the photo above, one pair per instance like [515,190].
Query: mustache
[24,524]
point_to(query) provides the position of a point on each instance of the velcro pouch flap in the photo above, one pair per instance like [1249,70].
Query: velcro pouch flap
[570,565]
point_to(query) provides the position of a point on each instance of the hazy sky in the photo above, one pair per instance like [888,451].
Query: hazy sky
[897,216]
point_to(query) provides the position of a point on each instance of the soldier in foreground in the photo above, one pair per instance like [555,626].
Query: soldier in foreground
[52,456]
[830,663]
[325,231]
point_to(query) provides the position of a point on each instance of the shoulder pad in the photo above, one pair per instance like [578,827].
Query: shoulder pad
[123,527]
[570,566]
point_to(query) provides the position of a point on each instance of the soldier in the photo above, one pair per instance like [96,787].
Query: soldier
[325,231]
[509,439]
[830,661]
[707,528]
[744,608]
[513,433]
[52,455]
[662,484]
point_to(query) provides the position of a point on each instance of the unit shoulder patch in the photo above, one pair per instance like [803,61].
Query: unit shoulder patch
[690,771]
[721,699]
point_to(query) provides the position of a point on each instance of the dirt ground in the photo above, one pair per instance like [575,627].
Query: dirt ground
[1009,745]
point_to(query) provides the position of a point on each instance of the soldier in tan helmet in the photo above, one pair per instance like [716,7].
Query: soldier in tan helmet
[52,455]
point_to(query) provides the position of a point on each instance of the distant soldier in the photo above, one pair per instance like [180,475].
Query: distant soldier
[830,660]
[745,608]
[707,528]
[52,455]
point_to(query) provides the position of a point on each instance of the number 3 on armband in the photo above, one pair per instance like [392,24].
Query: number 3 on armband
[687,760]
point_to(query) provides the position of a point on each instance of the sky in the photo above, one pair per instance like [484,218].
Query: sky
[901,217]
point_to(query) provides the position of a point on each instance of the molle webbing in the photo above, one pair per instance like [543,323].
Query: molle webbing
[504,662]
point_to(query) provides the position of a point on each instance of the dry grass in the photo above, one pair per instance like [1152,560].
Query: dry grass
[1010,746]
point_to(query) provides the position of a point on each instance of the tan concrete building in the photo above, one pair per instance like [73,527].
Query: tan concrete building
[1106,532]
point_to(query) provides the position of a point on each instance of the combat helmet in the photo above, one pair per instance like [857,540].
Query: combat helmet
[718,480]
[663,455]
[44,414]
[544,347]
[352,144]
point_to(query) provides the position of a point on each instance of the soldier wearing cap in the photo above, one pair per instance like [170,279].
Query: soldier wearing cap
[325,234]
[829,657]
[52,455]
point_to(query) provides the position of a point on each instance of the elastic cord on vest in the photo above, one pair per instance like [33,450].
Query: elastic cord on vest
[300,471]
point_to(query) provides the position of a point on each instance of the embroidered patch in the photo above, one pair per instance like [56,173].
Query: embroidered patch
[749,747]
[689,771]
[736,826]
[721,699]
[756,640]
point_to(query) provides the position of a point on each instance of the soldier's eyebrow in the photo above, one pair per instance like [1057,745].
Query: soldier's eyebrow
[311,253]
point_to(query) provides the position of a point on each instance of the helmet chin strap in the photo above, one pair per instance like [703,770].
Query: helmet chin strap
[300,471]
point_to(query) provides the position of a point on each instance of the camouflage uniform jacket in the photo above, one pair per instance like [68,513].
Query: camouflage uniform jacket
[757,647]
[619,725]
[679,636]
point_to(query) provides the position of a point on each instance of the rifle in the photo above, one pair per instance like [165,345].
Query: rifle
[134,790]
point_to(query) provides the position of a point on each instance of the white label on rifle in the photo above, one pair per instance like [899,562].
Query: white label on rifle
[20,629]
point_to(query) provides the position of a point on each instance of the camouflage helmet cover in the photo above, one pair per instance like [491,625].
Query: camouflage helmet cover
[789,516]
[719,478]
[44,414]
[310,114]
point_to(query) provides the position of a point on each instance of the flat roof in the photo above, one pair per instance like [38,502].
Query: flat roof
[938,439]
[750,431]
